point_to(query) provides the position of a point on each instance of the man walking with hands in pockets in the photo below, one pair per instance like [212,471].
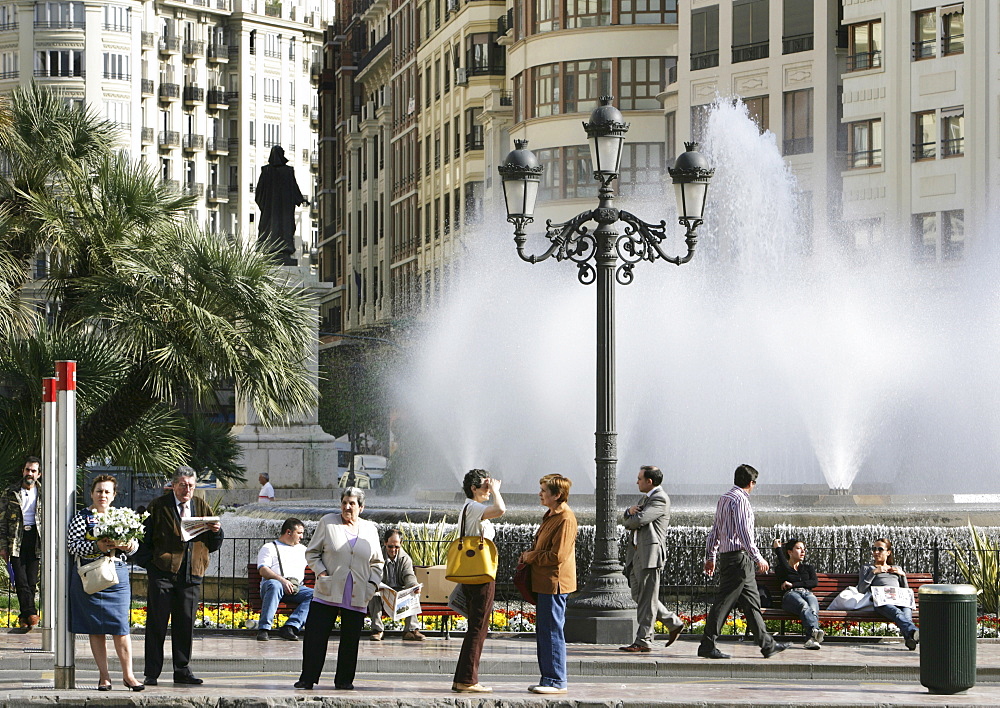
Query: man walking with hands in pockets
[645,557]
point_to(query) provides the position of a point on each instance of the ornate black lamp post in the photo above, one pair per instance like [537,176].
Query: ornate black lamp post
[603,611]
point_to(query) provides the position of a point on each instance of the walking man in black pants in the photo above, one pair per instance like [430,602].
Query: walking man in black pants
[21,538]
[731,542]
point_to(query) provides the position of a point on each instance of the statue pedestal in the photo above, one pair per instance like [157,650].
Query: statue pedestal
[298,454]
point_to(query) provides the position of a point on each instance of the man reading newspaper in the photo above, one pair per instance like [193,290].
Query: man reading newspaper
[397,574]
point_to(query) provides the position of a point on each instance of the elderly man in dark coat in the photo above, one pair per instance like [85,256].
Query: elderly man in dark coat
[277,195]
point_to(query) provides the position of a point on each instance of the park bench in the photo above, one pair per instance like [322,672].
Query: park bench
[253,599]
[830,585]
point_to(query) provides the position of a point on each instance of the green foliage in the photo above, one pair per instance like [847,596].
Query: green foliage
[213,447]
[427,542]
[984,573]
[353,394]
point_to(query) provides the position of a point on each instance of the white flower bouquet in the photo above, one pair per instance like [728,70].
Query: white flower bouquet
[120,524]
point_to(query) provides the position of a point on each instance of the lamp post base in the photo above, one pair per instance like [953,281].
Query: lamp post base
[602,612]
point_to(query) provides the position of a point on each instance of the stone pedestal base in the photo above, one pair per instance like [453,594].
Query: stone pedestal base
[616,627]
[295,457]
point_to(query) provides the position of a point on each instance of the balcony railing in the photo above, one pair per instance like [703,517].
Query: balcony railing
[9,75]
[506,98]
[148,40]
[57,72]
[117,76]
[172,184]
[751,52]
[925,49]
[705,60]
[313,159]
[195,189]
[147,136]
[925,151]
[232,96]
[864,158]
[217,98]
[147,87]
[372,53]
[170,91]
[218,52]
[497,68]
[234,146]
[194,48]
[797,43]
[671,74]
[798,146]
[193,141]
[170,45]
[218,193]
[169,138]
[116,27]
[952,147]
[194,94]
[864,60]
[474,141]
[60,24]
[272,9]
[218,146]
[314,115]
[8,26]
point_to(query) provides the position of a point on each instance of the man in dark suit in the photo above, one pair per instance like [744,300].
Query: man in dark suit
[645,557]
[175,565]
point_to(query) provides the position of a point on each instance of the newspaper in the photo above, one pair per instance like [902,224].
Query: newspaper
[901,597]
[397,604]
[192,526]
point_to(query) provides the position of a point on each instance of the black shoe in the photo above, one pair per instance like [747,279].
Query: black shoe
[911,641]
[137,687]
[288,633]
[776,649]
[712,653]
[189,679]
[149,681]
[344,686]
[262,635]
[104,687]
[672,637]
[304,685]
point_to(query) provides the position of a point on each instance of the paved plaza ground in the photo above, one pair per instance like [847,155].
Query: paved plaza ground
[242,672]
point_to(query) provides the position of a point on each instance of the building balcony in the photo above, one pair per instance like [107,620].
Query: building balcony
[272,9]
[60,24]
[234,189]
[217,146]
[148,40]
[117,76]
[172,184]
[218,193]
[751,52]
[193,94]
[798,43]
[218,53]
[314,116]
[194,48]
[194,189]
[4,75]
[147,136]
[313,159]
[8,27]
[57,73]
[170,45]
[705,60]
[234,51]
[147,87]
[170,92]
[232,97]
[314,70]
[234,146]
[217,99]
[169,139]
[193,142]
[864,60]
[474,140]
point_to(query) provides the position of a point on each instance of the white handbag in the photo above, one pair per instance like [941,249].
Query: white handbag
[851,599]
[97,575]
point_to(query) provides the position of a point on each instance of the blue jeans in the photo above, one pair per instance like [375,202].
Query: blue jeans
[550,640]
[902,617]
[801,602]
[272,592]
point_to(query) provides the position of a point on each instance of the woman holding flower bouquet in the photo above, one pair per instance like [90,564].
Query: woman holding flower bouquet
[93,532]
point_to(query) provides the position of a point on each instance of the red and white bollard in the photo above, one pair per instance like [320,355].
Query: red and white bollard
[49,536]
[64,508]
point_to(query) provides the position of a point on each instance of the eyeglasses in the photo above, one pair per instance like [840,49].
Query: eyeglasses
[879,549]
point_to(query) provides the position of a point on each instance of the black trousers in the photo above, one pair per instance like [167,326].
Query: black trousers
[479,599]
[174,601]
[737,586]
[317,639]
[26,573]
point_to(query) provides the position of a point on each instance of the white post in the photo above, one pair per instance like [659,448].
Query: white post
[64,508]
[49,535]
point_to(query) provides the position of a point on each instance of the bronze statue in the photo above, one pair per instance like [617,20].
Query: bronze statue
[277,196]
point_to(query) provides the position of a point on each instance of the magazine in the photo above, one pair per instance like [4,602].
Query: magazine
[192,526]
[901,597]
[397,604]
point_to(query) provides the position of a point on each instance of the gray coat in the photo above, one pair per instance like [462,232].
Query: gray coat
[398,574]
[650,527]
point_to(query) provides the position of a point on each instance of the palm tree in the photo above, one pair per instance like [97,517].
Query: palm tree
[180,311]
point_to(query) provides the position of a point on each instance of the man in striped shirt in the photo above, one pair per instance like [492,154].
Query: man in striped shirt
[731,544]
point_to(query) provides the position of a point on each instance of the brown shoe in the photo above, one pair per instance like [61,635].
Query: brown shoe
[635,649]
[470,688]
[672,637]
[32,621]
[414,636]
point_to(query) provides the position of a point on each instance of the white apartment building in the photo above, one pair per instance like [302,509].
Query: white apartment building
[920,107]
[201,89]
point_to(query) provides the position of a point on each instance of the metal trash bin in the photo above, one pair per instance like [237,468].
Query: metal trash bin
[948,637]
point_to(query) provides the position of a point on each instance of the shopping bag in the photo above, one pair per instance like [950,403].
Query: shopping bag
[97,575]
[458,602]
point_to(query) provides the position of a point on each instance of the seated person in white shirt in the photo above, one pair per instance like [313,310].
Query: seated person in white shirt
[266,493]
[282,566]
[398,574]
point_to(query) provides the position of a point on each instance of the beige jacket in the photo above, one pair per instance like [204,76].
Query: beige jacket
[330,551]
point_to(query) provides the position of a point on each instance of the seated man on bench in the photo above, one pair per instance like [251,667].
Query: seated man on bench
[282,566]
[398,574]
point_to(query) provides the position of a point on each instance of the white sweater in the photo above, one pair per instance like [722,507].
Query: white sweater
[330,551]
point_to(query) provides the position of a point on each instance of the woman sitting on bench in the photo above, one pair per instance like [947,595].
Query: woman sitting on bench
[797,579]
[883,572]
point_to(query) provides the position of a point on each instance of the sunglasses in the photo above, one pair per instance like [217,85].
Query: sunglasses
[879,549]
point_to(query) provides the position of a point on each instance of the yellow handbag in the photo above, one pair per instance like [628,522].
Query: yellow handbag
[472,560]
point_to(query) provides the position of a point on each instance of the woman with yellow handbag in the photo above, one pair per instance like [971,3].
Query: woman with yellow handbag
[475,521]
